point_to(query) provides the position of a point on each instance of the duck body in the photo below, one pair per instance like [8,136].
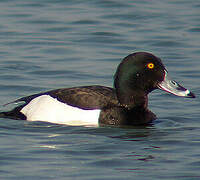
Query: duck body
[126,104]
[86,105]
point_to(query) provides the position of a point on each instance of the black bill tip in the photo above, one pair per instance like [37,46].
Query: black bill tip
[191,95]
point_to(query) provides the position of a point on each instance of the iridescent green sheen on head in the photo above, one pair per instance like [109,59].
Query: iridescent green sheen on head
[135,79]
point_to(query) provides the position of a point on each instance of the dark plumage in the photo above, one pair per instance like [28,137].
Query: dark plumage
[125,104]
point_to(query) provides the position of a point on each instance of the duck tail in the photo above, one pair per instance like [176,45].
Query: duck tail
[3,114]
[16,115]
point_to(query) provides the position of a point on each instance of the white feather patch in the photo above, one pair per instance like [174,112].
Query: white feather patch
[46,108]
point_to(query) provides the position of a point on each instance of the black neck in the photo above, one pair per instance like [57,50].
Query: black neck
[132,99]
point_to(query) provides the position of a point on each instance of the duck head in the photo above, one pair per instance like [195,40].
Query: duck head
[140,73]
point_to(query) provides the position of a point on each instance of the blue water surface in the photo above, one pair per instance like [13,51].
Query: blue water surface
[48,44]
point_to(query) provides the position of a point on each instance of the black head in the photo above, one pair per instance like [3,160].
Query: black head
[136,76]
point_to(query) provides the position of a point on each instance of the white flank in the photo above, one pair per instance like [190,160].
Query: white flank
[46,108]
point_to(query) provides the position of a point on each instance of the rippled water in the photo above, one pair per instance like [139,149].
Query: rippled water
[51,44]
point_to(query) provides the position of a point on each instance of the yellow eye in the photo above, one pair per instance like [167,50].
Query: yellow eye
[150,65]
